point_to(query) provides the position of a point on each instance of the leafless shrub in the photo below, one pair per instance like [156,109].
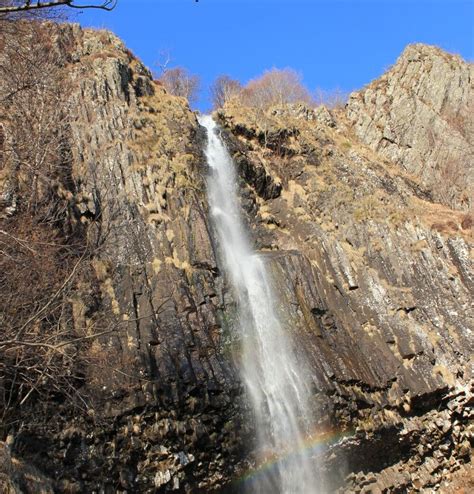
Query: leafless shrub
[179,82]
[223,89]
[41,256]
[335,98]
[448,227]
[38,272]
[35,114]
[276,87]
[467,223]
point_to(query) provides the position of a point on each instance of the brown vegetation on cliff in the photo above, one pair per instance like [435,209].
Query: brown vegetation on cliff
[378,244]
[111,276]
[41,251]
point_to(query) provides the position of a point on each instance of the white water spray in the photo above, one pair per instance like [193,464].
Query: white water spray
[275,382]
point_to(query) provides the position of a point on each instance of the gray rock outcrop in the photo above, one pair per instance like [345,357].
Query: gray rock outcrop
[419,115]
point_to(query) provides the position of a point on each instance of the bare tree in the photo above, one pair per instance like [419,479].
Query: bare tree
[223,89]
[12,6]
[164,59]
[41,258]
[179,82]
[276,87]
[35,113]
[334,98]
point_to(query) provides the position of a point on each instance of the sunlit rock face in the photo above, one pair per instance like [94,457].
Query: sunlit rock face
[378,278]
[371,264]
[419,115]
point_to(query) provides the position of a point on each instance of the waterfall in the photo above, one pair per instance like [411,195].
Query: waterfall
[275,381]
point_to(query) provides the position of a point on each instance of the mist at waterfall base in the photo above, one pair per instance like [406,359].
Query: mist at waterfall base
[276,384]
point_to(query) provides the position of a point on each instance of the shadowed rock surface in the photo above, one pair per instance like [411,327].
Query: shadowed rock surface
[378,291]
[374,278]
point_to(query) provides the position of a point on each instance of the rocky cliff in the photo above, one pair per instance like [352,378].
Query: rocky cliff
[157,403]
[372,265]
[359,252]
[419,115]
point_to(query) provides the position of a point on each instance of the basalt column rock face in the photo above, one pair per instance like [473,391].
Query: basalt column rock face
[157,410]
[171,389]
[419,114]
[371,265]
[375,279]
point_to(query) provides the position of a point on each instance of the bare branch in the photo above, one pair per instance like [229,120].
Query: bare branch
[163,61]
[28,5]
[179,82]
[19,240]
[107,5]
[51,300]
[40,344]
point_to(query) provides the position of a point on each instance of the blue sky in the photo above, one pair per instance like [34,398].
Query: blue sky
[333,43]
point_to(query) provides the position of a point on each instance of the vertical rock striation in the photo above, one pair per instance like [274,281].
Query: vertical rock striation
[376,278]
[158,405]
[378,281]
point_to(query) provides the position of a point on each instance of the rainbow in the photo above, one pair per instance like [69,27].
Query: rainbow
[314,443]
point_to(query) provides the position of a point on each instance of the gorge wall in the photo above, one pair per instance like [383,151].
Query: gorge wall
[365,248]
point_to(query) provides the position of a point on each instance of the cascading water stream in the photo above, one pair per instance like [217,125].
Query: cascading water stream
[275,381]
